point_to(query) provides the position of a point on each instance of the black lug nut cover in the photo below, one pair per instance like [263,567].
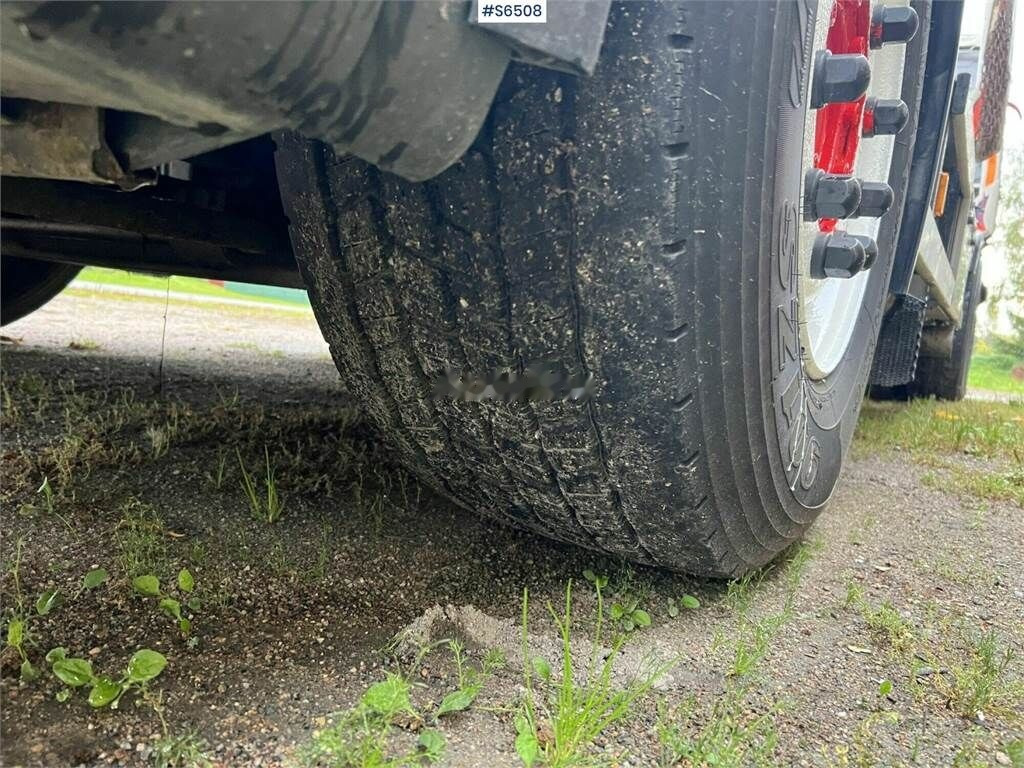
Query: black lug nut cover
[884,117]
[875,198]
[827,196]
[892,24]
[839,77]
[870,250]
[837,255]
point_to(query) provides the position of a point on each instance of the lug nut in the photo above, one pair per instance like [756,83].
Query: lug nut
[892,24]
[827,196]
[870,250]
[883,117]
[839,77]
[837,255]
[875,199]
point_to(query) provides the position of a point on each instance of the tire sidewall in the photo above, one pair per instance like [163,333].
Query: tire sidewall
[813,420]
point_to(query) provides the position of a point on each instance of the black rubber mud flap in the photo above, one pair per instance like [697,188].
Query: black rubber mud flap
[945,377]
[899,342]
[639,226]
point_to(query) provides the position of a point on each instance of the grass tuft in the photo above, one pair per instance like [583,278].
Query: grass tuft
[268,507]
[560,718]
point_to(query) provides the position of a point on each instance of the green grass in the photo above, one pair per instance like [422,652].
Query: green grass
[973,671]
[994,372]
[999,485]
[730,736]
[980,679]
[271,509]
[939,434]
[362,737]
[366,736]
[560,716]
[183,750]
[193,285]
[140,540]
[925,427]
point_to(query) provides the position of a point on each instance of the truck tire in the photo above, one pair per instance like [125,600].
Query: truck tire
[945,378]
[27,284]
[640,226]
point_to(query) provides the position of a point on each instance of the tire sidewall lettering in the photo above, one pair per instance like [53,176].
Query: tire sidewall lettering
[810,453]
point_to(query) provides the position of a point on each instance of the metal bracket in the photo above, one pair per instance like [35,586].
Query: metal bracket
[569,41]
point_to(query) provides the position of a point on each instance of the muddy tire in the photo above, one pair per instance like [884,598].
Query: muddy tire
[640,226]
[27,284]
[945,378]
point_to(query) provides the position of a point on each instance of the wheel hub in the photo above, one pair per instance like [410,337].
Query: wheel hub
[855,111]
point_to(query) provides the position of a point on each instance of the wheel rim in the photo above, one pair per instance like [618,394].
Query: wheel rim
[829,307]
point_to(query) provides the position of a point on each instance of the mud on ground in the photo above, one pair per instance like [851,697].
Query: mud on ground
[894,636]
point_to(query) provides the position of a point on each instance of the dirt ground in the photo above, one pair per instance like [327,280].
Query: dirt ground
[893,636]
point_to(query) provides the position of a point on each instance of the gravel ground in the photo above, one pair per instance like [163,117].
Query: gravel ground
[861,648]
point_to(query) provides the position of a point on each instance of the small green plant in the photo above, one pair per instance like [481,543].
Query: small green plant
[686,602]
[141,540]
[752,642]
[599,581]
[887,623]
[730,737]
[159,440]
[216,477]
[1015,751]
[182,750]
[628,615]
[271,508]
[625,610]
[361,736]
[49,501]
[144,666]
[983,684]
[47,492]
[862,751]
[559,718]
[740,592]
[148,585]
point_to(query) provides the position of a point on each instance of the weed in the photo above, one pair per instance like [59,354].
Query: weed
[361,736]
[148,585]
[18,631]
[982,684]
[216,477]
[740,592]
[1015,751]
[628,615]
[159,440]
[183,750]
[686,602]
[470,682]
[559,719]
[144,666]
[731,737]
[625,610]
[885,621]
[752,642]
[796,566]
[863,751]
[967,755]
[48,497]
[270,509]
[140,540]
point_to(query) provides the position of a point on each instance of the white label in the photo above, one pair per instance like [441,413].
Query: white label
[512,12]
